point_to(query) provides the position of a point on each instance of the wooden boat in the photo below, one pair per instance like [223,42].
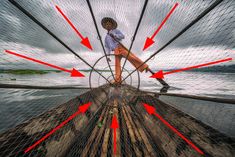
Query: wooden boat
[139,134]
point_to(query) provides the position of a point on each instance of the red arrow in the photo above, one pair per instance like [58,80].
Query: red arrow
[151,111]
[74,72]
[114,126]
[149,41]
[160,73]
[85,41]
[81,109]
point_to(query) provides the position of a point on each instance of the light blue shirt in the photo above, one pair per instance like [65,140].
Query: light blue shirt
[110,43]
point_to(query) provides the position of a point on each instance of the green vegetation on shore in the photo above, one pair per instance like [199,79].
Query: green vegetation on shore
[219,68]
[27,71]
[33,72]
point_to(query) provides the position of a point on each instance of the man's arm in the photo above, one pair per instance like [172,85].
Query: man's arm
[107,47]
[117,34]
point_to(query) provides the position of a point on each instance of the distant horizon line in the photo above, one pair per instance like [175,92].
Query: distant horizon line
[155,69]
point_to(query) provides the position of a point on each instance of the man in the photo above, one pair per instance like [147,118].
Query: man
[112,39]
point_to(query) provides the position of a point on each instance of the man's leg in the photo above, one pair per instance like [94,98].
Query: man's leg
[135,61]
[118,68]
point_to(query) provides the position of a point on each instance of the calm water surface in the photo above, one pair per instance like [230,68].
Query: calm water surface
[19,105]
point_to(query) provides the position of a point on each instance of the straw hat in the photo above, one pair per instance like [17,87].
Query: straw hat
[108,19]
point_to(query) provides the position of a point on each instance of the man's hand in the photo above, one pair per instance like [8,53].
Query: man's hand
[112,36]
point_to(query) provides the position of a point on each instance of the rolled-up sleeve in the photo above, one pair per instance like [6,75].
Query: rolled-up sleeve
[107,50]
[118,34]
[107,46]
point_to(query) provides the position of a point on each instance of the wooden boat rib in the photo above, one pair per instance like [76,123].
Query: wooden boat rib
[139,134]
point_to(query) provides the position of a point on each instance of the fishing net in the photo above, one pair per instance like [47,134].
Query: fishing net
[177,45]
[208,40]
[138,133]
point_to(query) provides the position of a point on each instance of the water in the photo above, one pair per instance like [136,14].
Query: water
[220,85]
[196,83]
[20,105]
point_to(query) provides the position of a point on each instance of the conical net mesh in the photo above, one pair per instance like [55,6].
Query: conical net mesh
[210,39]
[38,30]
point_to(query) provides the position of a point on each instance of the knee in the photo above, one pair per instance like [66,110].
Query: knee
[124,53]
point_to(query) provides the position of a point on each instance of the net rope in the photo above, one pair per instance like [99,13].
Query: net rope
[27,114]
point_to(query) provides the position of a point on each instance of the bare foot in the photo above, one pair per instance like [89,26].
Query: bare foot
[114,82]
[147,69]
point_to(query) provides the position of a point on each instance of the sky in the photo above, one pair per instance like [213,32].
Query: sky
[212,38]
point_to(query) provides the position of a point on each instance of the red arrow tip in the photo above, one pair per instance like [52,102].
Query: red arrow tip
[75,73]
[86,42]
[84,107]
[149,109]
[158,74]
[148,43]
[114,124]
